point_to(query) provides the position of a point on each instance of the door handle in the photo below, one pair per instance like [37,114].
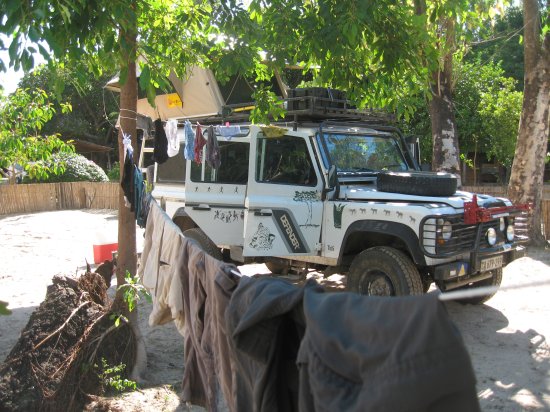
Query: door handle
[202,207]
[263,212]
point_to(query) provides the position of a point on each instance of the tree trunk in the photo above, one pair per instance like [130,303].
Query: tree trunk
[527,175]
[127,257]
[444,132]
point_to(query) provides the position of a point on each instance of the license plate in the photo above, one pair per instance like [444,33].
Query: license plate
[491,263]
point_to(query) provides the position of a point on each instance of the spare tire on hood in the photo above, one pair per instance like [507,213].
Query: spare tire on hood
[417,183]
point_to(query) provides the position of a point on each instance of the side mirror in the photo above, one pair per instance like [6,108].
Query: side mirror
[332,177]
[333,184]
[413,144]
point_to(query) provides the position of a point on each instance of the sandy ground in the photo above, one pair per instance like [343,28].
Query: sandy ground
[507,337]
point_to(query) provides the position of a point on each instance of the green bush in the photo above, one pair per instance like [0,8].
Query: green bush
[77,169]
[114,173]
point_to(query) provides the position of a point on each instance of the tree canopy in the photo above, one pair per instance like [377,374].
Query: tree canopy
[94,110]
[22,116]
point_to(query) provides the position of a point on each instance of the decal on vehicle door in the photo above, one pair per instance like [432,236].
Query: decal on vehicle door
[308,197]
[262,239]
[227,216]
[291,234]
[337,211]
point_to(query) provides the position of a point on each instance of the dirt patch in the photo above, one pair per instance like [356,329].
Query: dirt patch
[507,338]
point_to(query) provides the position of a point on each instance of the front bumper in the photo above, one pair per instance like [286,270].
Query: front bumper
[479,267]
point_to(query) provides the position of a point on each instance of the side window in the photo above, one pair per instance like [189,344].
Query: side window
[233,167]
[173,170]
[284,160]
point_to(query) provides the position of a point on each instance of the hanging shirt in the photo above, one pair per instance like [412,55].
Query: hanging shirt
[199,144]
[189,152]
[171,130]
[213,157]
[160,152]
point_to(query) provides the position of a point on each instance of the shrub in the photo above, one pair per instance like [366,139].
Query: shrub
[114,173]
[77,169]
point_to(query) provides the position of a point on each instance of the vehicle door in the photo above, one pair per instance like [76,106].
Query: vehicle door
[215,196]
[283,201]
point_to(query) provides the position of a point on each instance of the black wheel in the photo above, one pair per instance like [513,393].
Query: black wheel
[417,183]
[384,271]
[494,280]
[204,242]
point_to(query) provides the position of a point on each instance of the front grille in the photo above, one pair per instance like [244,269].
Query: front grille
[465,238]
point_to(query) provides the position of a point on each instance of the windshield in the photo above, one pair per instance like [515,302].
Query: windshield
[362,153]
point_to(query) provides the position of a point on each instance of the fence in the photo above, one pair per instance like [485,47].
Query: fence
[29,198]
[87,195]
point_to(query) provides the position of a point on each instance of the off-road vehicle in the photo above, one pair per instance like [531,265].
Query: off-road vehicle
[340,195]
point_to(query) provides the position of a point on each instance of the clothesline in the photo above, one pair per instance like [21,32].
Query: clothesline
[487,290]
[473,292]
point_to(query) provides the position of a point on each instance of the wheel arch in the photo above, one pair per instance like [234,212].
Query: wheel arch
[182,220]
[364,234]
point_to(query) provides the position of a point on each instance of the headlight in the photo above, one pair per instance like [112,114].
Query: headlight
[510,232]
[491,236]
[502,224]
[445,230]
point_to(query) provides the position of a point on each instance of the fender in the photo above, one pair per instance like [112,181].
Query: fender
[182,220]
[395,229]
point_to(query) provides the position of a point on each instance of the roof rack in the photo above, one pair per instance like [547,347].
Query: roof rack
[310,104]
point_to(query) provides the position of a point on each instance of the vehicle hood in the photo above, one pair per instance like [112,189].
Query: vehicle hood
[370,193]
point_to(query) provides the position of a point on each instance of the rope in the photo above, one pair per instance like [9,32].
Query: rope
[487,290]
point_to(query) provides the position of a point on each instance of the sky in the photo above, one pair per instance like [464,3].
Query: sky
[10,78]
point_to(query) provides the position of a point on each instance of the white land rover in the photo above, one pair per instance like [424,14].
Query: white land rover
[345,196]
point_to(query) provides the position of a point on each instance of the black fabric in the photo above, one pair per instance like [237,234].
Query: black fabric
[264,319]
[344,351]
[382,354]
[160,151]
[127,181]
[143,214]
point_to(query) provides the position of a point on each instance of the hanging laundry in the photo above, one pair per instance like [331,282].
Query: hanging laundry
[171,129]
[160,151]
[139,190]
[206,284]
[265,322]
[228,131]
[163,244]
[189,152]
[213,157]
[358,352]
[303,349]
[200,141]
[127,181]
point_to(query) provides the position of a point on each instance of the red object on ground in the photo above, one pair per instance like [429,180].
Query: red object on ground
[104,252]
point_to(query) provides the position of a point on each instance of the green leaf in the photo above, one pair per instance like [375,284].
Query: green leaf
[14,48]
[4,308]
[109,42]
[33,34]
